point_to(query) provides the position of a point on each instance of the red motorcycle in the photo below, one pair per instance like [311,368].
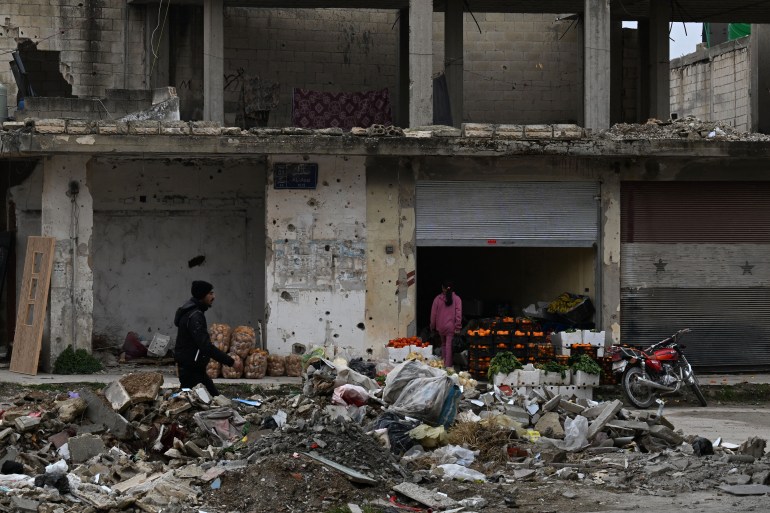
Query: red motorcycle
[658,370]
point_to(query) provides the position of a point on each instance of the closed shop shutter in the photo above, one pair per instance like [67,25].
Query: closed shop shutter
[697,255]
[531,214]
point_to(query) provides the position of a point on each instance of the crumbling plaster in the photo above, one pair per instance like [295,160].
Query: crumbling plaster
[316,276]
[153,219]
[67,215]
[390,277]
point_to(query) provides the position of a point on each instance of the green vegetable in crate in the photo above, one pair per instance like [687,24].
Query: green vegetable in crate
[564,303]
[586,364]
[553,366]
[503,363]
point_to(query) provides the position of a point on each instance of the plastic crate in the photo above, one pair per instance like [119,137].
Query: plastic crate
[581,312]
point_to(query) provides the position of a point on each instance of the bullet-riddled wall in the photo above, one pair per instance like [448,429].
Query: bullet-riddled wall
[316,257]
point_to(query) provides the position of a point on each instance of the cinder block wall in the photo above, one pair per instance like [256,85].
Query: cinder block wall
[90,34]
[713,84]
[518,69]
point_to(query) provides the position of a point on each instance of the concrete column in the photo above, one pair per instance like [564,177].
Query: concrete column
[616,72]
[660,72]
[420,62]
[402,117]
[68,215]
[643,94]
[213,61]
[760,78]
[596,71]
[158,37]
[610,256]
[453,56]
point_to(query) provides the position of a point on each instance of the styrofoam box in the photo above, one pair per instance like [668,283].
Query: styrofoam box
[596,339]
[530,378]
[424,351]
[554,378]
[568,339]
[398,354]
[511,379]
[577,392]
[582,379]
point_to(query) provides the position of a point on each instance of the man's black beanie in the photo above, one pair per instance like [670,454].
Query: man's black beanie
[199,289]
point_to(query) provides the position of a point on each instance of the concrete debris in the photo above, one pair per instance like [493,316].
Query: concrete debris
[688,128]
[134,447]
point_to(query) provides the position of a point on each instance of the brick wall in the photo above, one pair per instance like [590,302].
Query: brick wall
[713,84]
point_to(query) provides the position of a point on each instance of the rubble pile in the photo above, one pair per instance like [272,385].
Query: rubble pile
[423,441]
[690,128]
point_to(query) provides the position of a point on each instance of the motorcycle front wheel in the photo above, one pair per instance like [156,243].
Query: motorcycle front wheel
[641,395]
[695,387]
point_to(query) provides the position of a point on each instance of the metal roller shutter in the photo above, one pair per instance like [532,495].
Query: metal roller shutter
[697,254]
[534,214]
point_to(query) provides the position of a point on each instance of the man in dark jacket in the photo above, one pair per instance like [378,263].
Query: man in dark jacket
[193,348]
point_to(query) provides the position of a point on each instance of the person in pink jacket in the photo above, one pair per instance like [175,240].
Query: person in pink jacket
[446,316]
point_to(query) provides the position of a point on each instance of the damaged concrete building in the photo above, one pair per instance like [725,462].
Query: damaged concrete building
[506,176]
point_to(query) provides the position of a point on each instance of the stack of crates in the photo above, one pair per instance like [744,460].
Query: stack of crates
[481,349]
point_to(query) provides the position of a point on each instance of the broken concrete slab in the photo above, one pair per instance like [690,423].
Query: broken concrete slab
[142,387]
[71,409]
[629,424]
[570,406]
[117,395]
[737,479]
[24,424]
[609,412]
[21,504]
[424,496]
[351,474]
[664,433]
[99,413]
[550,426]
[753,447]
[752,489]
[85,447]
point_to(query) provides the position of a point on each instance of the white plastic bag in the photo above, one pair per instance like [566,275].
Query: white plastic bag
[405,373]
[454,454]
[575,435]
[455,471]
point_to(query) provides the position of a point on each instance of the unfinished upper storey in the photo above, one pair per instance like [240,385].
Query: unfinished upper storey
[444,62]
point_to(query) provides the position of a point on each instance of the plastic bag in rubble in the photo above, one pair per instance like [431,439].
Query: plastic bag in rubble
[350,394]
[432,400]
[575,439]
[455,471]
[403,374]
[398,431]
[454,454]
[347,376]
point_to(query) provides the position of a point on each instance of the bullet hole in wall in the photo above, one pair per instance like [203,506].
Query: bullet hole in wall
[327,247]
[196,261]
[382,220]
[325,183]
[312,202]
[291,228]
[142,199]
[275,222]
[361,326]
[327,313]
[336,335]
[286,296]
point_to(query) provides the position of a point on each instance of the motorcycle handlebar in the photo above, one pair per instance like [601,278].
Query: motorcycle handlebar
[672,338]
